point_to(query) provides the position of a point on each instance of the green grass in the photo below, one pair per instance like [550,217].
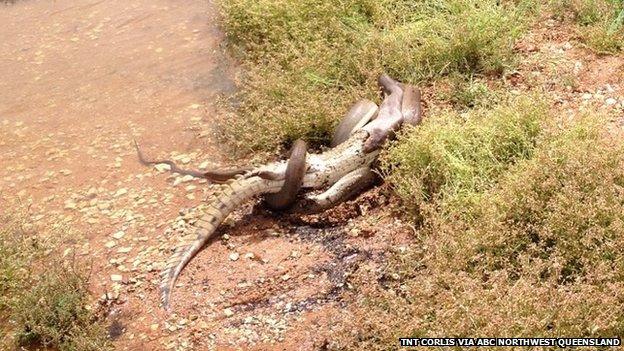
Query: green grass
[452,159]
[305,63]
[600,22]
[44,297]
[522,229]
[519,220]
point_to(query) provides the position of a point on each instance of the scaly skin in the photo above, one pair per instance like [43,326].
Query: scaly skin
[323,170]
[346,168]
[293,178]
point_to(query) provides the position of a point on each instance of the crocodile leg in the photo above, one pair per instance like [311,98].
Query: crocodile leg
[389,118]
[345,188]
[359,114]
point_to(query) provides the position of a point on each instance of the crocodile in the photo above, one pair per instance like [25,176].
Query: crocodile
[344,170]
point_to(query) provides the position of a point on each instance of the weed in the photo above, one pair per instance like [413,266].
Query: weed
[45,296]
[600,22]
[306,62]
[536,254]
[452,159]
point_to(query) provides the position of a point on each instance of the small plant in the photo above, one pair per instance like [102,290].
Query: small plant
[465,93]
[45,297]
[536,252]
[600,22]
[305,62]
[453,159]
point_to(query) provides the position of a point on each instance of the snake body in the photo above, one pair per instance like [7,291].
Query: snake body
[322,170]
[293,178]
[345,170]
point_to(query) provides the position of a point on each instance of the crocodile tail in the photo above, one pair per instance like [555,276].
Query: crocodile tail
[226,199]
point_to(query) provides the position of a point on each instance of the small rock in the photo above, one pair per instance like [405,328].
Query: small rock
[228,312]
[70,205]
[587,96]
[116,277]
[121,192]
[610,101]
[354,232]
[185,160]
[234,256]
[250,255]
[154,327]
[120,234]
[187,178]
[162,167]
[125,249]
[110,244]
[288,307]
[285,277]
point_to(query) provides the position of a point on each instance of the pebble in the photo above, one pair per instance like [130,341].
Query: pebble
[162,167]
[116,277]
[234,256]
[610,101]
[228,312]
[110,244]
[187,178]
[121,191]
[120,234]
[125,249]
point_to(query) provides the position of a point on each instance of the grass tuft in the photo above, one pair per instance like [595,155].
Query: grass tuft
[306,62]
[44,297]
[600,22]
[521,235]
[453,159]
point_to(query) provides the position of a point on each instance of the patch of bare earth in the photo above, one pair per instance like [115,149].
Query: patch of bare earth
[80,80]
[555,62]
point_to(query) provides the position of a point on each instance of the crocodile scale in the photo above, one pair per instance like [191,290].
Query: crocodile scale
[323,170]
